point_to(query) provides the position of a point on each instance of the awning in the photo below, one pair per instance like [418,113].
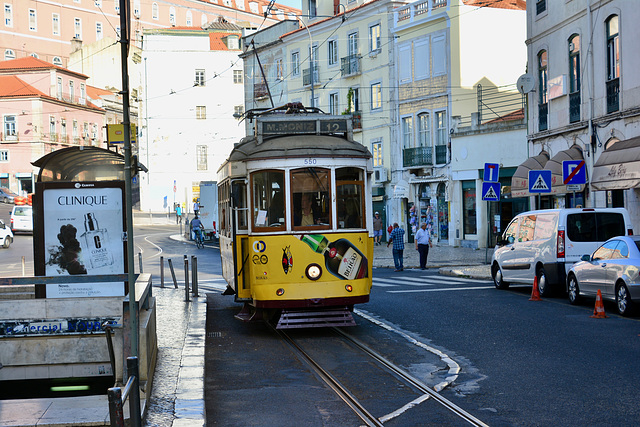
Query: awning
[520,179]
[401,190]
[618,167]
[555,166]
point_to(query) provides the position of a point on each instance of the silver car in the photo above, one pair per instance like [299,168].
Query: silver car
[613,268]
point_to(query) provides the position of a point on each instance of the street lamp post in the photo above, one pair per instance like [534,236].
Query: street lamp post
[313,99]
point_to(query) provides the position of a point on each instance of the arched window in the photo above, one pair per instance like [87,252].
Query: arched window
[189,19]
[57,61]
[35,55]
[613,64]
[9,54]
[203,20]
[154,11]
[543,108]
[172,16]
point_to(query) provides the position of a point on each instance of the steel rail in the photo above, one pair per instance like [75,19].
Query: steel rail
[333,383]
[413,381]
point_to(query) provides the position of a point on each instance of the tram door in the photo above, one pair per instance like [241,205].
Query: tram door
[241,239]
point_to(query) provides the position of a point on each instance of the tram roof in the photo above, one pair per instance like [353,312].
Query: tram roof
[297,146]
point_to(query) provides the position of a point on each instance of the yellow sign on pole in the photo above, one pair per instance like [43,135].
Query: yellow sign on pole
[115,133]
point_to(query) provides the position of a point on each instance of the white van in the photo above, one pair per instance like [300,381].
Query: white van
[22,218]
[546,243]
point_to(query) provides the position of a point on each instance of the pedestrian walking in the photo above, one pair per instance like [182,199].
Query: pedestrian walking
[377,228]
[196,207]
[178,214]
[423,243]
[397,238]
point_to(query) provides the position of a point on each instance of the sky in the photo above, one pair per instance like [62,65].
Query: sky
[291,3]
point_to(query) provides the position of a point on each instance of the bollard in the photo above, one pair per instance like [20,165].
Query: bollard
[162,272]
[134,393]
[186,278]
[23,267]
[140,261]
[194,276]
[173,274]
[116,413]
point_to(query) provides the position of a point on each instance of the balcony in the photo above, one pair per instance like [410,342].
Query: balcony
[543,111]
[441,154]
[306,76]
[413,11]
[260,90]
[350,66]
[574,107]
[357,119]
[417,157]
[613,95]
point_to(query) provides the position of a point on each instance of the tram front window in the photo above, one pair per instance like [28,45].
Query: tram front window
[268,199]
[310,198]
[349,189]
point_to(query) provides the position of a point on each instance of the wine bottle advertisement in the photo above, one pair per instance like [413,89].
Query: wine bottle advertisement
[83,235]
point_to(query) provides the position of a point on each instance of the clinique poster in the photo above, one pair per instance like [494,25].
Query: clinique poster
[83,236]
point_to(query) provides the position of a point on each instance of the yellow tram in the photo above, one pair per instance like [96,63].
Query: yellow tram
[294,203]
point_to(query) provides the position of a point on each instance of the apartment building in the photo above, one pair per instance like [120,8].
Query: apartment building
[46,29]
[43,107]
[584,103]
[193,85]
[456,70]
[352,51]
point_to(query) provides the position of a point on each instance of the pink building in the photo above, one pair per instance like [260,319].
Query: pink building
[45,29]
[43,107]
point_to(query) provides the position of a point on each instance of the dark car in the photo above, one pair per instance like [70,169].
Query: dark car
[6,195]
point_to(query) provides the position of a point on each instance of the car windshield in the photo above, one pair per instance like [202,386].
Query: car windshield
[22,211]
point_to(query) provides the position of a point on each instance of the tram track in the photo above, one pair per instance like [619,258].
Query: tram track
[403,376]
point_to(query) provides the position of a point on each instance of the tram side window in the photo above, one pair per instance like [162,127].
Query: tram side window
[268,199]
[239,189]
[349,197]
[223,208]
[311,198]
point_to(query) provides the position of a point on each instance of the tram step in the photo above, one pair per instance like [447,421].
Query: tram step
[290,319]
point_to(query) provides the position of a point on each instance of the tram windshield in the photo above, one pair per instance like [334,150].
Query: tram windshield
[268,199]
[311,198]
[349,190]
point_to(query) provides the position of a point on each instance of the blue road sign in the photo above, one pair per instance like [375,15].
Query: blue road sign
[491,191]
[540,181]
[491,172]
[574,172]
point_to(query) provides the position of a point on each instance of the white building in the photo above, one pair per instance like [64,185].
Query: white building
[193,80]
[583,56]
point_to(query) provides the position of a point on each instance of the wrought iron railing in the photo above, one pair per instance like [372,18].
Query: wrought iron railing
[441,154]
[418,156]
[613,95]
[543,112]
[350,65]
[306,76]
[574,107]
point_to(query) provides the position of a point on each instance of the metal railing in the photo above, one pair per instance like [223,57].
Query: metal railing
[418,156]
[350,65]
[613,98]
[306,76]
[117,397]
[543,112]
[574,107]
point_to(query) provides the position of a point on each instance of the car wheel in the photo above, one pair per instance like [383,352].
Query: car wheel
[498,280]
[7,242]
[623,300]
[543,284]
[573,290]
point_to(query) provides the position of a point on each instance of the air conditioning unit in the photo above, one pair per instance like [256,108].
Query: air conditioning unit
[381,175]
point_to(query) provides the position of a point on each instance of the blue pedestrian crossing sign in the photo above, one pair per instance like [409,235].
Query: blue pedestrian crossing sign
[491,191]
[540,181]
[491,172]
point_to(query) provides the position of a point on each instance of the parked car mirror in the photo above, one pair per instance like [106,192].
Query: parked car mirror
[586,257]
[510,239]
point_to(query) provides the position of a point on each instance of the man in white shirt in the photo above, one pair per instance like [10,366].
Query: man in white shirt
[423,242]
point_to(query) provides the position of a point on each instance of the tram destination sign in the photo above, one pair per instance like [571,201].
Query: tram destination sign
[303,126]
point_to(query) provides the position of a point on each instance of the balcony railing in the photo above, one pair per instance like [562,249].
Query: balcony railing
[417,8]
[260,90]
[543,111]
[613,98]
[418,156]
[350,65]
[306,76]
[574,107]
[441,154]
[357,119]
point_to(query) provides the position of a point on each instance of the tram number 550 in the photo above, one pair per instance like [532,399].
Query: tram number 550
[310,161]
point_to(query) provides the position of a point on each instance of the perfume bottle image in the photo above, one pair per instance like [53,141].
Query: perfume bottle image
[341,257]
[97,242]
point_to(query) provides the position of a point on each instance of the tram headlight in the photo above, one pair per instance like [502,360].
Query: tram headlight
[349,288]
[313,271]
[280,292]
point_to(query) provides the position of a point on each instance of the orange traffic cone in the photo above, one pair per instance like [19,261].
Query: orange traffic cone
[535,292]
[598,311]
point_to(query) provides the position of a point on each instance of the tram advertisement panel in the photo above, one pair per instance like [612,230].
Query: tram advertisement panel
[309,256]
[82,232]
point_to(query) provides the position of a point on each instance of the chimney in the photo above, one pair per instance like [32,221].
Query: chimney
[76,44]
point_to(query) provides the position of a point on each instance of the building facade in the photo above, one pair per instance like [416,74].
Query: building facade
[584,104]
[43,107]
[193,84]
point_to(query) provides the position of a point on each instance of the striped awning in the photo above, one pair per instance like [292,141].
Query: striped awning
[618,167]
